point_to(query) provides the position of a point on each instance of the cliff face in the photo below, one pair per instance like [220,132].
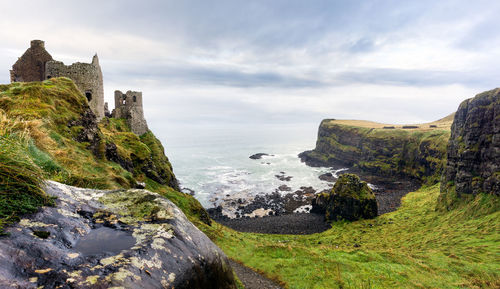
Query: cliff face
[473,165]
[384,153]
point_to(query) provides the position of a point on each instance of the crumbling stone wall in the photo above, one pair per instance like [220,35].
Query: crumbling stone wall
[129,106]
[87,77]
[31,65]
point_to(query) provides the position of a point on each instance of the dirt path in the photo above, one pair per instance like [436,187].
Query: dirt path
[252,279]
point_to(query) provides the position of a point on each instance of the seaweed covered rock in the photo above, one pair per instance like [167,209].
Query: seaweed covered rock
[350,199]
[473,164]
[104,239]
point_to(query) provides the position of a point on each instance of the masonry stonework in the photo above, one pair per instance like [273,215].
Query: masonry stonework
[36,64]
[129,106]
[31,65]
[87,77]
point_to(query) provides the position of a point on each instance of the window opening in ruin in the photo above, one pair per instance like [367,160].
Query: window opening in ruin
[124,101]
[88,94]
[134,98]
[49,77]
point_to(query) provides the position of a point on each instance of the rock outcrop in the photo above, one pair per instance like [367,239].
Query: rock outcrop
[380,154]
[473,164]
[104,239]
[350,199]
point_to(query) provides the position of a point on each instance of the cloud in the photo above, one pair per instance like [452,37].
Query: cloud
[272,61]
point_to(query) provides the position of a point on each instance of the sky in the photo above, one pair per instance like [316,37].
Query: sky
[260,62]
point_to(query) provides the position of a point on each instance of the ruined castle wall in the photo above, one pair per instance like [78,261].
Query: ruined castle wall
[87,77]
[129,106]
[31,65]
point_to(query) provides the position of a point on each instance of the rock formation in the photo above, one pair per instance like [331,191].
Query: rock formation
[473,164]
[102,239]
[350,199]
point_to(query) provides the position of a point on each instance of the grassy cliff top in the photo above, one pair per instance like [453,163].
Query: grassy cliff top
[441,124]
[51,126]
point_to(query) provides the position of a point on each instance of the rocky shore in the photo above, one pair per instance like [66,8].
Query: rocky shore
[287,212]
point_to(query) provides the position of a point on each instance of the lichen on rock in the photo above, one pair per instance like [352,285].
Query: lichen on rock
[167,251]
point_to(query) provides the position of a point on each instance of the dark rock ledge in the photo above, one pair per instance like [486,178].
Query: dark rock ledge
[47,249]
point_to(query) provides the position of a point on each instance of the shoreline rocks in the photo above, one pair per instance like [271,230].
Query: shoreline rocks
[258,156]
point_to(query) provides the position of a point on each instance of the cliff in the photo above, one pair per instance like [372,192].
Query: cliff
[473,165]
[382,152]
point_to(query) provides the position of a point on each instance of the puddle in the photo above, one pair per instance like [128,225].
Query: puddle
[104,240]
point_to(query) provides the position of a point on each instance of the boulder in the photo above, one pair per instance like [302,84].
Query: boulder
[350,199]
[103,239]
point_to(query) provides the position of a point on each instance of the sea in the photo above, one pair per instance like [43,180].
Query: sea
[213,161]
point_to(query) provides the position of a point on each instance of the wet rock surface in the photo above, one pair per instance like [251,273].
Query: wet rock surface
[328,177]
[473,164]
[164,250]
[283,177]
[258,156]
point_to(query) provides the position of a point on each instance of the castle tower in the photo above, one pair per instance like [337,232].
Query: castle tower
[87,77]
[31,65]
[129,106]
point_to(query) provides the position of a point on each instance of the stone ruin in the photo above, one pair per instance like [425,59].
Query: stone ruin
[129,106]
[31,65]
[87,77]
[36,64]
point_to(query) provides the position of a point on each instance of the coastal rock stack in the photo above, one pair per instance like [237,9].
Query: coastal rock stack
[350,199]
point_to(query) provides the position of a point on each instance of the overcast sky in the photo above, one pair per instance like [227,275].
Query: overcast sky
[258,62]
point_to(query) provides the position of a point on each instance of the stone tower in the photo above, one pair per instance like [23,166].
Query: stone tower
[31,65]
[87,77]
[129,106]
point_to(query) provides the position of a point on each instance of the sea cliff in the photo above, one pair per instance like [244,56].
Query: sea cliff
[382,153]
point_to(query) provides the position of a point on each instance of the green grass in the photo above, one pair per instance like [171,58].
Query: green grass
[414,247]
[41,112]
[20,180]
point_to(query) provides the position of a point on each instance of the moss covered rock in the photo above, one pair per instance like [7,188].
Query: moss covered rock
[350,199]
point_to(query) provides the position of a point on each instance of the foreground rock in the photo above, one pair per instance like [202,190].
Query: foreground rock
[350,199]
[103,239]
[473,165]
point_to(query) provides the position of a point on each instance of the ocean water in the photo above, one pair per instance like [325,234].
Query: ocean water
[214,160]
